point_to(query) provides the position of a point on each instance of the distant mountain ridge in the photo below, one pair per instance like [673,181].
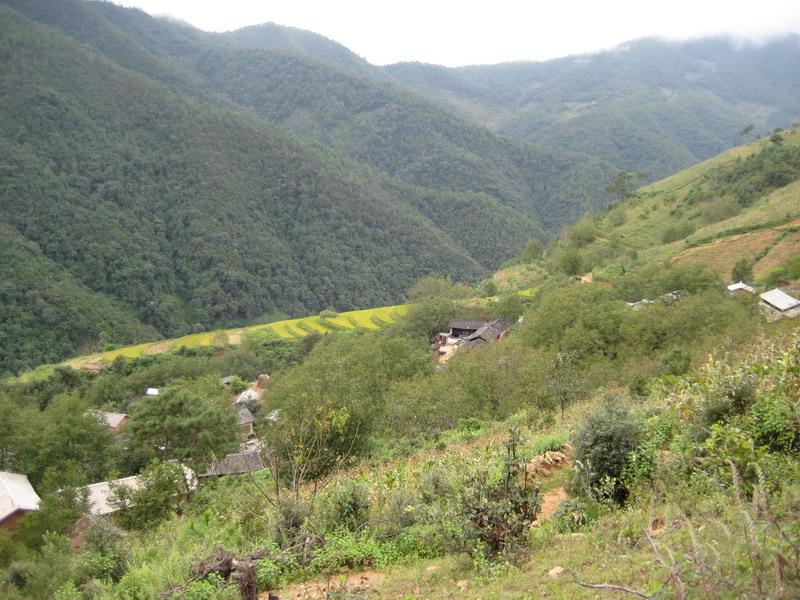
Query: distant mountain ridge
[648,105]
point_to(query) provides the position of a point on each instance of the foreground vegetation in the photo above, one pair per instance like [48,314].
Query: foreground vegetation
[381,460]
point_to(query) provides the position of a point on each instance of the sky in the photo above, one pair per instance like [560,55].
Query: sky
[454,33]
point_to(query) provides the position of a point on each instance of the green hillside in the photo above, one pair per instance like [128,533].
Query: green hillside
[649,105]
[191,216]
[593,437]
[742,204]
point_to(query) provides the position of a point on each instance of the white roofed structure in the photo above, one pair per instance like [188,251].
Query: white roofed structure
[741,286]
[151,392]
[780,300]
[16,496]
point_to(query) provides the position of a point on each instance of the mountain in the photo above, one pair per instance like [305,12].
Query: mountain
[178,211]
[649,105]
[193,180]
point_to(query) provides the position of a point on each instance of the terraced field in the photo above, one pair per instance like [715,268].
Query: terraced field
[371,319]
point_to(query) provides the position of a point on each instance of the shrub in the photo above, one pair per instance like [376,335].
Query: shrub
[574,514]
[603,444]
[499,512]
[437,485]
[328,314]
[349,504]
[268,575]
[774,424]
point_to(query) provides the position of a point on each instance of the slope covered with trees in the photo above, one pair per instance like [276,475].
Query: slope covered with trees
[648,105]
[185,213]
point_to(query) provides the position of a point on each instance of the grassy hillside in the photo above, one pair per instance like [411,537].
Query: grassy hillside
[742,204]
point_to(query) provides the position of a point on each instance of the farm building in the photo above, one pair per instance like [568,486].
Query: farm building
[741,288]
[777,304]
[468,333]
[151,392]
[17,497]
[236,463]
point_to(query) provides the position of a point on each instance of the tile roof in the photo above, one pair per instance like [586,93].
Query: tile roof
[234,464]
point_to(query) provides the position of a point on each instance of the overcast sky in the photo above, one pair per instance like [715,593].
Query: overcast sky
[464,32]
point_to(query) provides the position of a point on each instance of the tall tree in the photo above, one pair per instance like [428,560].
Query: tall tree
[178,424]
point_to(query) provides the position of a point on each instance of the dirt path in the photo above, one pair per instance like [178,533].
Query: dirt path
[550,501]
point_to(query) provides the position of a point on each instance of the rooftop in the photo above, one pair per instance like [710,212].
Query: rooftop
[780,300]
[16,493]
[235,464]
[735,287]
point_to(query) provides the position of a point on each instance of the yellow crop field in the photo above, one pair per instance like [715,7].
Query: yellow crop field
[287,329]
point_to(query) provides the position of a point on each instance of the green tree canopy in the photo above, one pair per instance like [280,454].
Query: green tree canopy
[185,426]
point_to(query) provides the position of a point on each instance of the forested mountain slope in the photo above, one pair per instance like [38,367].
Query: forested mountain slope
[320,91]
[182,212]
[648,105]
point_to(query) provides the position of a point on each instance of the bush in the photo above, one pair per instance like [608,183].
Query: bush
[348,505]
[268,575]
[774,424]
[328,314]
[499,512]
[574,514]
[602,445]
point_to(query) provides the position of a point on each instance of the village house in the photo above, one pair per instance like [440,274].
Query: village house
[98,494]
[151,392]
[17,497]
[777,304]
[468,333]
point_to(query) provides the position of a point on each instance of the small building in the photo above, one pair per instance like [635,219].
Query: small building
[461,329]
[246,420]
[114,421]
[777,304]
[490,332]
[236,463]
[741,288]
[17,497]
[151,392]
[98,493]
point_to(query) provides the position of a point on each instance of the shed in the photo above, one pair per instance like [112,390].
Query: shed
[151,392]
[739,287]
[17,497]
[235,464]
[780,300]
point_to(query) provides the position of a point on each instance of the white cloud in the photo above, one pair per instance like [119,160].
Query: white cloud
[466,32]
